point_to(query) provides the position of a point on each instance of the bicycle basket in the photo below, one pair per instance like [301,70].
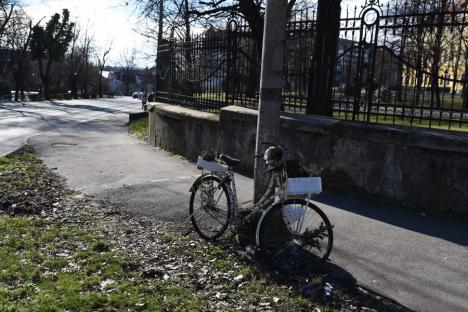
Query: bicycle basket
[211,166]
[309,185]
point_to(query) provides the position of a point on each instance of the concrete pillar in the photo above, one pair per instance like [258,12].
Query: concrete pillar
[270,85]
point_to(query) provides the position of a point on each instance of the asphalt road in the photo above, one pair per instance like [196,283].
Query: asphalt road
[419,260]
[18,121]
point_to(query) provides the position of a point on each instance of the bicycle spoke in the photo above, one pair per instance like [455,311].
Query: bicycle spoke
[212,208]
[214,217]
[219,197]
[310,231]
[284,247]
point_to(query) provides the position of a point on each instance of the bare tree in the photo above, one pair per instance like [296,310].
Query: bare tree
[429,45]
[6,11]
[127,59]
[75,63]
[180,15]
[101,62]
[86,49]
[18,37]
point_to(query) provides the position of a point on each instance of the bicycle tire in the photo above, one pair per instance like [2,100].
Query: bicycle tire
[285,242]
[210,233]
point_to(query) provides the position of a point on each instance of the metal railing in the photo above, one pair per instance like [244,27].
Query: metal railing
[403,63]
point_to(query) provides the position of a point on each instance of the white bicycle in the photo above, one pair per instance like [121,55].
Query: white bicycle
[290,230]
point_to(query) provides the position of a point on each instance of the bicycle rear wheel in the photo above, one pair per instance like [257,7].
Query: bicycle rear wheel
[210,207]
[295,235]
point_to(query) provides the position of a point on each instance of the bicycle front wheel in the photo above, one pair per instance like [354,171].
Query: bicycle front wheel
[210,207]
[295,234]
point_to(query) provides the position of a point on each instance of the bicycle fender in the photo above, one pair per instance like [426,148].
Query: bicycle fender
[257,232]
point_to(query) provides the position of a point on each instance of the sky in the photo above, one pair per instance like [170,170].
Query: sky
[109,21]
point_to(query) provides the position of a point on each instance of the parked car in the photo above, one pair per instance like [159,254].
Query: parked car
[137,95]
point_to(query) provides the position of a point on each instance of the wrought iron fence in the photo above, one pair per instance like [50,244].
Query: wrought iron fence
[404,63]
[400,63]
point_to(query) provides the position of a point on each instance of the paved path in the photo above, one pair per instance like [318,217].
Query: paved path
[18,122]
[420,261]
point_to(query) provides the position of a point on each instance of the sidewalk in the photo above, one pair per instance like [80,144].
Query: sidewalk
[419,261]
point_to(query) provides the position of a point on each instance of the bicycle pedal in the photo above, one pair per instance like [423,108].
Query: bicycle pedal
[251,249]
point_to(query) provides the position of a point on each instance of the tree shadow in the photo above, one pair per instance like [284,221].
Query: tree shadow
[93,108]
[446,228]
[324,282]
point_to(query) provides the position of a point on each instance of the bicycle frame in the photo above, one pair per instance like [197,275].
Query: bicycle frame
[245,219]
[276,188]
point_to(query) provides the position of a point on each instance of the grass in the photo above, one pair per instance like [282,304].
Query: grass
[407,121]
[293,99]
[24,186]
[55,267]
[139,128]
[38,274]
[50,265]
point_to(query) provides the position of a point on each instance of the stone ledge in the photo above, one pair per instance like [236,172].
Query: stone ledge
[180,112]
[389,134]
[136,115]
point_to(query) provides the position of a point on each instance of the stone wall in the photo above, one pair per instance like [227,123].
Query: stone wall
[418,167]
[137,115]
[182,131]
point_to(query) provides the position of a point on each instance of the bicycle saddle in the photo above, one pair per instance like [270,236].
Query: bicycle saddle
[230,161]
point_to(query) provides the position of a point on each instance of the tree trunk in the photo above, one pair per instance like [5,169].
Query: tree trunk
[42,74]
[85,80]
[256,23]
[100,84]
[399,82]
[435,92]
[189,89]
[73,87]
[46,81]
[17,77]
[14,59]
[17,90]
[465,86]
[253,76]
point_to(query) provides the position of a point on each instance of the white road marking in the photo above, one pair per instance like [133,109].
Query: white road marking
[173,179]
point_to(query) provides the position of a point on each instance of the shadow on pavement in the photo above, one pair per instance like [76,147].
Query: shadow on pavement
[94,108]
[441,227]
[343,294]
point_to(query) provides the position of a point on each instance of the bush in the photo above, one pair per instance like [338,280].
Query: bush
[35,97]
[57,96]
[350,90]
[296,168]
[5,89]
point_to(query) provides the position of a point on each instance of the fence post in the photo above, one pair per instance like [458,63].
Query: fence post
[231,27]
[323,67]
[171,71]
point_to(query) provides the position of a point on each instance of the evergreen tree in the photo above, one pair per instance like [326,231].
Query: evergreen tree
[50,43]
